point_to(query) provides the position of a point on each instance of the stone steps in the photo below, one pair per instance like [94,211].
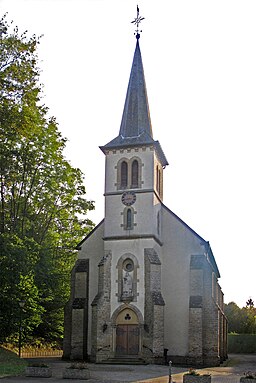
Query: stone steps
[125,360]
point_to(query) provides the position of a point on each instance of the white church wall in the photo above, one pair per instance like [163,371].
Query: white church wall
[179,243]
[146,156]
[146,205]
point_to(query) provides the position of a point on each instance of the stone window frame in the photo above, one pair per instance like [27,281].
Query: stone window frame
[125,218]
[124,174]
[135,173]
[120,267]
[130,163]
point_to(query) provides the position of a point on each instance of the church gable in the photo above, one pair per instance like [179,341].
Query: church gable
[93,236]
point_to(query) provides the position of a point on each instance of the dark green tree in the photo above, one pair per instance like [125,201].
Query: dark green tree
[250,312]
[42,197]
[241,320]
[236,318]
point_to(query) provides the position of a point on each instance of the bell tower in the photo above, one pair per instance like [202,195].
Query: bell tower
[129,297]
[134,166]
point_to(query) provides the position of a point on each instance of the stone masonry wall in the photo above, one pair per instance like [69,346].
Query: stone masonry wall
[153,342]
[76,313]
[211,336]
[101,329]
[203,314]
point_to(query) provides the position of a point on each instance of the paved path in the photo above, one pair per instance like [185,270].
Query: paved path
[229,372]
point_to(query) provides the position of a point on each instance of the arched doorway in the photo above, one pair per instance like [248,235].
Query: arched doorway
[127,333]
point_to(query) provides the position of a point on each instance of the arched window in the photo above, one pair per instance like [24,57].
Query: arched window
[124,174]
[159,181]
[128,222]
[129,173]
[129,219]
[127,266]
[127,279]
[135,174]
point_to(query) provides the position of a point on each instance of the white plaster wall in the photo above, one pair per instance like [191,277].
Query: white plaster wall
[145,217]
[145,154]
[179,243]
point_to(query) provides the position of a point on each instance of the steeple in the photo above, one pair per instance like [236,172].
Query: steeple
[136,129]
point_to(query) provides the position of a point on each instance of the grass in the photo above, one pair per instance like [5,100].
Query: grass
[10,363]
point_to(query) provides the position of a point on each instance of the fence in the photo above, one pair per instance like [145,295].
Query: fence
[41,353]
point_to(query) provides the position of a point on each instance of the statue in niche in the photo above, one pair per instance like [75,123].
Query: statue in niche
[127,285]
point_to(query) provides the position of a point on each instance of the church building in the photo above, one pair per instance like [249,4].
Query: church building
[145,285]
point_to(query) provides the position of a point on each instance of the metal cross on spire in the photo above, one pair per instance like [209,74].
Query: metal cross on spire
[137,21]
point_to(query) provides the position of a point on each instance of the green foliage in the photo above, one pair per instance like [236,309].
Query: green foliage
[17,261]
[241,321]
[42,198]
[241,343]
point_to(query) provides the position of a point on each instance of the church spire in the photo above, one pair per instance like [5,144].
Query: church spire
[136,126]
[136,117]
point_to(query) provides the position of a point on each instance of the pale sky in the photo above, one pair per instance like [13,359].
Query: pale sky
[200,66]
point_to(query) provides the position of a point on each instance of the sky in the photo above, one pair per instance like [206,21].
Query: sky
[199,61]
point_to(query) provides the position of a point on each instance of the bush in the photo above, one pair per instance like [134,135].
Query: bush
[242,343]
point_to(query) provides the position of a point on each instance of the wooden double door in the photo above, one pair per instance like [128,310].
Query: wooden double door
[127,339]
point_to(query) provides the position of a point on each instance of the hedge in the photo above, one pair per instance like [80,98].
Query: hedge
[242,343]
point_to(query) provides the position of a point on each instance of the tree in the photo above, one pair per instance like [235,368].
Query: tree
[241,320]
[236,318]
[42,197]
[250,312]
[18,258]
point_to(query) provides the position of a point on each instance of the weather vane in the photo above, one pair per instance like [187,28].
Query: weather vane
[137,21]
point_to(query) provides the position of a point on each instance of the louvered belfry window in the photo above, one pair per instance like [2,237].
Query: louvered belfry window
[135,174]
[124,174]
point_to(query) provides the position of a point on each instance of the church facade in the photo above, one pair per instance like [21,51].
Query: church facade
[145,285]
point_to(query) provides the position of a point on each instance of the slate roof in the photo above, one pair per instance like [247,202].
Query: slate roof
[136,128]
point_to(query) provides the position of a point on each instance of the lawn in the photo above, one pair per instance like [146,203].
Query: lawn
[10,363]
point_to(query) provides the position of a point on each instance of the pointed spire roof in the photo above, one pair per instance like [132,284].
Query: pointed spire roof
[136,117]
[136,129]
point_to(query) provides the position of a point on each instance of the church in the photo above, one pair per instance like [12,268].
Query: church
[145,285]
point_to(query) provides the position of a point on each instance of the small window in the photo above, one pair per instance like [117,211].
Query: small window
[128,222]
[124,174]
[129,219]
[135,174]
[158,180]
[128,265]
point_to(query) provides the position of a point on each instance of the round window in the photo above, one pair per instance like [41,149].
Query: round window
[128,265]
